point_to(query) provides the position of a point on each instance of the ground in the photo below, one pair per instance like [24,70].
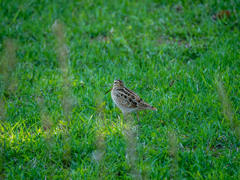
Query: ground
[181,57]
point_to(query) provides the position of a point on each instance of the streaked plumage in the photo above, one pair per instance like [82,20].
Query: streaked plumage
[127,100]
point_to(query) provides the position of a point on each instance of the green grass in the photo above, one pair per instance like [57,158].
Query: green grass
[56,122]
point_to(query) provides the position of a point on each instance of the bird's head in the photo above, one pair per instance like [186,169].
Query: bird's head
[116,83]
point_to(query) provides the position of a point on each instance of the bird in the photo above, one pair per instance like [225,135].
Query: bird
[127,100]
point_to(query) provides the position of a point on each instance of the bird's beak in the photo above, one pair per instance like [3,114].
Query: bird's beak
[109,90]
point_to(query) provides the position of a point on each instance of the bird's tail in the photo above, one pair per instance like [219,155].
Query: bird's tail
[154,109]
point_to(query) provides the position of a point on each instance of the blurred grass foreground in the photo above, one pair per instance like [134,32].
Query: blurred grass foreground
[183,57]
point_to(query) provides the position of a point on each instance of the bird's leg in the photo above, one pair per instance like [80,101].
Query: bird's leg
[139,123]
[137,116]
[124,116]
[145,112]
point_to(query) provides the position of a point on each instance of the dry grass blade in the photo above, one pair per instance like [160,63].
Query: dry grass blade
[227,108]
[2,110]
[173,151]
[7,67]
[132,155]
[67,98]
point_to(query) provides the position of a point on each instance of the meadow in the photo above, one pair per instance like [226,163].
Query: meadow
[183,57]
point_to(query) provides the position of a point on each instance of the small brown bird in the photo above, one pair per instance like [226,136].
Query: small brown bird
[127,100]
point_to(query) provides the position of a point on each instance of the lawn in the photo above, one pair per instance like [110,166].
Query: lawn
[56,122]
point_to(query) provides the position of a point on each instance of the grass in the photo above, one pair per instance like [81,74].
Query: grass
[56,122]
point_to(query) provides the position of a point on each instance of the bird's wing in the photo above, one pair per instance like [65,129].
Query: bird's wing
[134,100]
